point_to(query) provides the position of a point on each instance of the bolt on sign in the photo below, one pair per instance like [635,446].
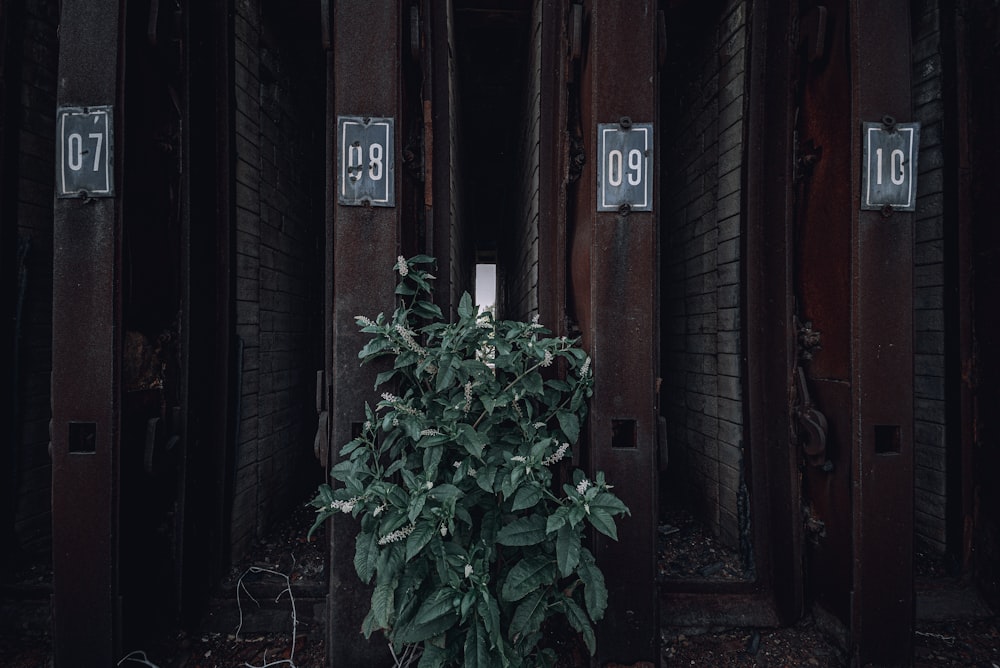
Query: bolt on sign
[624,166]
[84,152]
[367,161]
[889,172]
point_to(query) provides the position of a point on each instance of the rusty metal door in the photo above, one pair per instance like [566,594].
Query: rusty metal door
[852,386]
[613,296]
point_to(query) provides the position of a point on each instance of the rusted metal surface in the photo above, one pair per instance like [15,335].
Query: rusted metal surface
[822,291]
[85,367]
[882,358]
[614,293]
[768,326]
[364,246]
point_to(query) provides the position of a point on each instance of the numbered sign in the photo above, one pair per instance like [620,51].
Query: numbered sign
[367,163]
[85,152]
[889,174]
[624,167]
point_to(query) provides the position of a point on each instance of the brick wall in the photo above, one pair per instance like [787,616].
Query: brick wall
[522,274]
[703,107]
[32,298]
[930,425]
[278,284]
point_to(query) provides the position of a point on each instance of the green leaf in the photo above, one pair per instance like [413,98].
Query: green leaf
[526,576]
[528,616]
[526,497]
[385,377]
[528,530]
[477,653]
[601,520]
[470,439]
[569,423]
[595,592]
[466,309]
[567,550]
[556,519]
[365,556]
[435,616]
[578,620]
[489,612]
[382,606]
[422,534]
[533,384]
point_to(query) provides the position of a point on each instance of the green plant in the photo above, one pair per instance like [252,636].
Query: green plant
[470,540]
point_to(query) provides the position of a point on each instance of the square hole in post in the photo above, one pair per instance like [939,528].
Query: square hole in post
[623,434]
[887,439]
[82,438]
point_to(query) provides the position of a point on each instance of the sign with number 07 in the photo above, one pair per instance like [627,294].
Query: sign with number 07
[624,167]
[367,161]
[85,151]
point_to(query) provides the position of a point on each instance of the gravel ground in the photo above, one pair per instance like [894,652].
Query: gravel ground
[688,551]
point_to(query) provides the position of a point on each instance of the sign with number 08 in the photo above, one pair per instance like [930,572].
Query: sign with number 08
[625,156]
[367,150]
[84,154]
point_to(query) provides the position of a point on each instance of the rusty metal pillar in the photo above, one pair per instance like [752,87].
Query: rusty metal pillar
[881,312]
[366,40]
[85,354]
[613,264]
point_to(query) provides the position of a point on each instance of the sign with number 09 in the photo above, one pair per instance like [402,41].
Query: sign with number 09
[84,153]
[625,158]
[367,162]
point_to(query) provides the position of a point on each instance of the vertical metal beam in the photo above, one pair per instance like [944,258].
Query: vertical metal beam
[366,70]
[85,363]
[620,328]
[882,358]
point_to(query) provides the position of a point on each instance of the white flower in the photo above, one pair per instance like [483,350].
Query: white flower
[430,432]
[585,369]
[345,506]
[556,456]
[378,511]
[468,570]
[548,358]
[365,321]
[582,487]
[407,337]
[539,425]
[519,458]
[397,535]
[468,396]
[404,269]
[429,484]
[390,397]
[443,529]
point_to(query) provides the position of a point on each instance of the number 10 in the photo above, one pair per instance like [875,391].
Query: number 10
[894,156]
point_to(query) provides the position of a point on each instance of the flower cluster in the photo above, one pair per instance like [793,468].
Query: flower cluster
[556,456]
[397,535]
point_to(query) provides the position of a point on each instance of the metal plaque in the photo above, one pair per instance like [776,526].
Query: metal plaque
[625,166]
[367,161]
[85,152]
[889,173]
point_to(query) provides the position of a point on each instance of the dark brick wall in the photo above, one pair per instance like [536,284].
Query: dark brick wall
[279,264]
[930,424]
[703,108]
[32,271]
[522,275]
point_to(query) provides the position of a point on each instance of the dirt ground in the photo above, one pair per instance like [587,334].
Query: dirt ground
[958,641]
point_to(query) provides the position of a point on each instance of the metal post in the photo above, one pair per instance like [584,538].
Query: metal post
[85,364]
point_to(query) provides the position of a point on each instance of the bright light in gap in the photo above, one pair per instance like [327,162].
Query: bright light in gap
[486,286]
